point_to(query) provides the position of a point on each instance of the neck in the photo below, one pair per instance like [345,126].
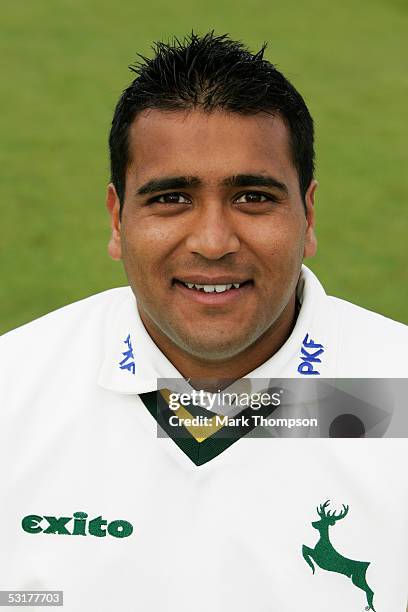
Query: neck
[214,375]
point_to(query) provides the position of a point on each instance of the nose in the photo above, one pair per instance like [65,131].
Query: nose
[212,233]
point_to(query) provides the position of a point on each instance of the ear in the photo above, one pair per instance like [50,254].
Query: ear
[310,238]
[113,206]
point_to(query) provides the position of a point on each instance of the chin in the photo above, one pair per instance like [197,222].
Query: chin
[213,349]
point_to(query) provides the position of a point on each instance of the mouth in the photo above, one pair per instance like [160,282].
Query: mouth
[217,292]
[213,287]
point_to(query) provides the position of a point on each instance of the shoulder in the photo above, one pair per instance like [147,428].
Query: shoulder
[55,360]
[62,349]
[71,324]
[369,343]
[364,323]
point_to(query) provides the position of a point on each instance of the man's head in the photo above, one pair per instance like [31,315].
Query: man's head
[212,184]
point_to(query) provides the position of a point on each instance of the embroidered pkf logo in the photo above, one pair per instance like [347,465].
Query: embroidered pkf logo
[326,557]
[310,355]
[128,362]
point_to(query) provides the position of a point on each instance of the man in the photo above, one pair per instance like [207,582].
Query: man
[211,205]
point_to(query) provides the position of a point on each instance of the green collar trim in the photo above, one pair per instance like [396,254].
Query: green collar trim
[202,451]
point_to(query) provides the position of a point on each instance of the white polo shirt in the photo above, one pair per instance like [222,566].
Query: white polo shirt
[94,503]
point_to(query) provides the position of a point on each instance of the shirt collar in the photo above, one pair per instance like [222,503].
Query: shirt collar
[132,362]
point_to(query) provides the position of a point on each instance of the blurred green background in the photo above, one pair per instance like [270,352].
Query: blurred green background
[64,66]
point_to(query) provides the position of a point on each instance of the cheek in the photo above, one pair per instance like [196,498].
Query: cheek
[145,248]
[279,245]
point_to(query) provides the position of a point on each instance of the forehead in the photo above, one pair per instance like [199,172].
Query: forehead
[210,145]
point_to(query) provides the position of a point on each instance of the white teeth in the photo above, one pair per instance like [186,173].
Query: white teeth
[212,288]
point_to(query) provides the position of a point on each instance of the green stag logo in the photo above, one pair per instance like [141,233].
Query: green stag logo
[326,557]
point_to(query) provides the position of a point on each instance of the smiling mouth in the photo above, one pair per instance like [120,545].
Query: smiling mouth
[213,288]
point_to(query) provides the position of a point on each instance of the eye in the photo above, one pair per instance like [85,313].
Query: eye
[254,197]
[171,198]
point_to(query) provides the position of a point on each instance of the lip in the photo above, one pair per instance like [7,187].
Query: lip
[213,299]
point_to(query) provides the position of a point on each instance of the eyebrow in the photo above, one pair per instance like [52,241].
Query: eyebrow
[169,182]
[255,180]
[237,180]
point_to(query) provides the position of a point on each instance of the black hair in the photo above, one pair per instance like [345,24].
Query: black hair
[210,73]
